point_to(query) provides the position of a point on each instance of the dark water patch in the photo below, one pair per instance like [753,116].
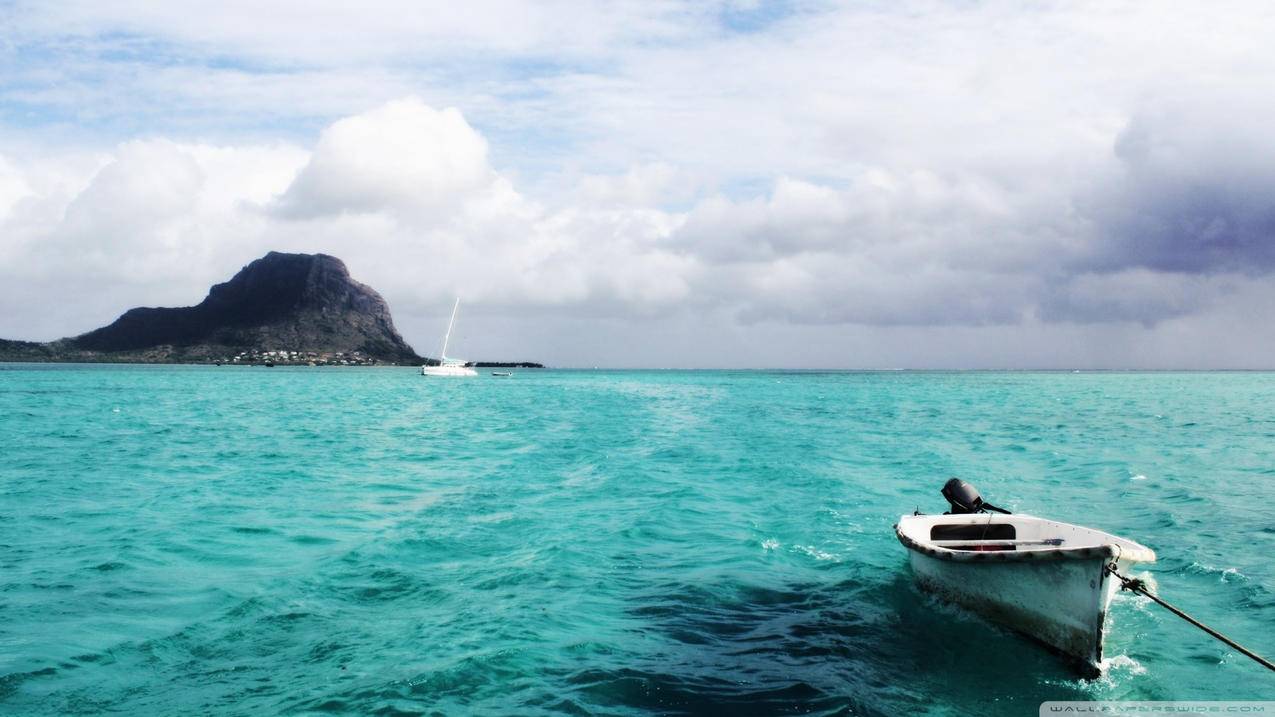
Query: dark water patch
[55,587]
[1182,497]
[1213,657]
[246,608]
[850,638]
[665,693]
[12,682]
[376,585]
[366,700]
[124,593]
[312,540]
[469,675]
[92,657]
[328,705]
[558,705]
[284,620]
[326,651]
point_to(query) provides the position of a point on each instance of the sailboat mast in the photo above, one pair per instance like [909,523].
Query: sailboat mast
[451,323]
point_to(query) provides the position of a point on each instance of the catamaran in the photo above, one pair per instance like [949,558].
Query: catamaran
[449,366]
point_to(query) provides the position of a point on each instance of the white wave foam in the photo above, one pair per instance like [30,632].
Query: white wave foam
[1111,671]
[1140,603]
[1121,663]
[816,553]
[1224,575]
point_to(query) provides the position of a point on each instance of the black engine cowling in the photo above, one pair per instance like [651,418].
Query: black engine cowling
[964,498]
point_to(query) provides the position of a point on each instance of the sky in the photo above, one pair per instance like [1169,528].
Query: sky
[894,184]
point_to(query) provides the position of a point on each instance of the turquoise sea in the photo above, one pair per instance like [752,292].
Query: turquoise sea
[253,541]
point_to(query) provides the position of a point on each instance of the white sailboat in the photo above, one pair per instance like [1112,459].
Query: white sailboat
[449,366]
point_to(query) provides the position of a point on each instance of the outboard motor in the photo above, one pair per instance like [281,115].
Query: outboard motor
[965,499]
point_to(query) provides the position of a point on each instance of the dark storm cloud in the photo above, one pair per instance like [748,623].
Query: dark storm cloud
[1143,296]
[1180,209]
[1195,193]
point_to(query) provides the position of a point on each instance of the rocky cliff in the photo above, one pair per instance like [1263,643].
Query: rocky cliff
[306,303]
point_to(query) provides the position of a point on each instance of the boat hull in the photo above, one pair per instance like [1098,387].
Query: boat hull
[1042,578]
[1060,603]
[448,371]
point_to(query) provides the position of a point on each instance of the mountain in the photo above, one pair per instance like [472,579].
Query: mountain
[304,303]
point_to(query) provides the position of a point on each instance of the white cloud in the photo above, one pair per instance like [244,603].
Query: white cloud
[403,156]
[146,187]
[13,186]
[647,185]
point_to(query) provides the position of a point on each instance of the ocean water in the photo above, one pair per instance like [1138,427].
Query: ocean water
[252,541]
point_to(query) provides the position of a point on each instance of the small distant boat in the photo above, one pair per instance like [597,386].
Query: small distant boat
[449,367]
[501,373]
[1045,579]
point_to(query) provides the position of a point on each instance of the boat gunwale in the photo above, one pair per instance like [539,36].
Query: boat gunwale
[1139,554]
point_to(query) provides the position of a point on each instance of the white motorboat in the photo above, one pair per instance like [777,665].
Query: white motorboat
[1045,579]
[449,366]
[502,374]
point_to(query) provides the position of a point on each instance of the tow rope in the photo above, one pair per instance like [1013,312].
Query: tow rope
[1135,585]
